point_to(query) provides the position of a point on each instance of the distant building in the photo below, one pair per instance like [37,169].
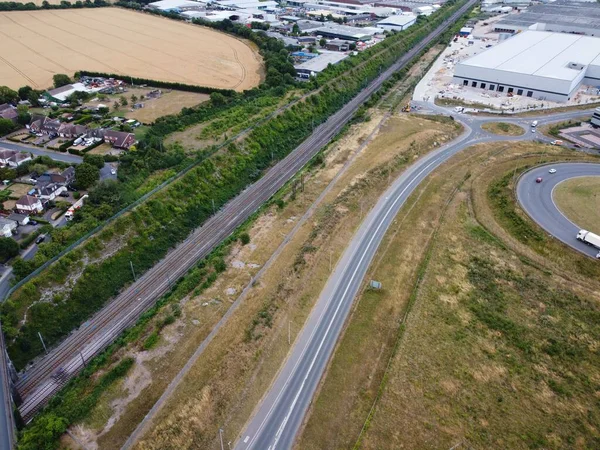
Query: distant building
[337,45]
[8,112]
[397,23]
[561,16]
[13,158]
[318,64]
[542,65]
[44,125]
[71,131]
[119,139]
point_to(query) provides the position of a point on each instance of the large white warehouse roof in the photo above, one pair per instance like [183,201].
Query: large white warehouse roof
[535,63]
[542,54]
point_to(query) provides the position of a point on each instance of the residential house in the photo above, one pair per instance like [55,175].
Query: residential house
[21,219]
[7,226]
[119,139]
[44,125]
[8,112]
[13,158]
[29,205]
[5,154]
[18,158]
[71,131]
[48,191]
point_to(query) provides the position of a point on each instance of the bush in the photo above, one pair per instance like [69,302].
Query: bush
[8,248]
[245,238]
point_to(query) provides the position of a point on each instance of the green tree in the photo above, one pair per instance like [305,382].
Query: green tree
[116,105]
[295,30]
[94,160]
[134,99]
[24,92]
[6,126]
[323,42]
[46,431]
[123,100]
[8,248]
[23,115]
[7,95]
[217,99]
[86,175]
[244,238]
[60,79]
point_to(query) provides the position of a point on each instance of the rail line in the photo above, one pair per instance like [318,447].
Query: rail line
[63,362]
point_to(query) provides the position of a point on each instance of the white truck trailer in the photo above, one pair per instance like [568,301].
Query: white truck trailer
[590,239]
[71,211]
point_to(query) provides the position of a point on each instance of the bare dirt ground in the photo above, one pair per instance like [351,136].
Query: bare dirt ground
[38,44]
[579,200]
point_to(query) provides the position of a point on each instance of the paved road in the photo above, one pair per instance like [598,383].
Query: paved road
[536,199]
[64,157]
[278,417]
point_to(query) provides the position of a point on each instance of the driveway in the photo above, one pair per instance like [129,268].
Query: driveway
[106,171]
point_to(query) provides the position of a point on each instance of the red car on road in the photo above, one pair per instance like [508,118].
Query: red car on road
[538,180]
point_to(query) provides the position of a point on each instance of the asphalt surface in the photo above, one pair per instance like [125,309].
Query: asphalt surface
[278,417]
[64,157]
[536,199]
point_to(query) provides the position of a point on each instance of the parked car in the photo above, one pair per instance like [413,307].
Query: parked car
[113,172]
[64,194]
[33,222]
[40,239]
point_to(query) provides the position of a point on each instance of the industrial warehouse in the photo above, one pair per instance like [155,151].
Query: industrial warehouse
[538,64]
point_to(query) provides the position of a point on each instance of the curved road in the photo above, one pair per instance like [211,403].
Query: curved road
[536,199]
[278,417]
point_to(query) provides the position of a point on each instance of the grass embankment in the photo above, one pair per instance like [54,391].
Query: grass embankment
[579,200]
[503,128]
[499,347]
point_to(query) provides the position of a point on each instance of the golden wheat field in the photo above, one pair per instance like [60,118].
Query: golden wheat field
[38,44]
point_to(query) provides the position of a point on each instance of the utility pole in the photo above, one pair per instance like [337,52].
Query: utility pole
[290,332]
[132,271]
[213,204]
[42,339]
[330,255]
[82,358]
[221,437]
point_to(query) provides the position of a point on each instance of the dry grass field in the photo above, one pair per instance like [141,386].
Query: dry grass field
[38,44]
[478,339]
[579,200]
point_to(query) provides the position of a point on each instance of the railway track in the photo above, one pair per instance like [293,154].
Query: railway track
[53,371]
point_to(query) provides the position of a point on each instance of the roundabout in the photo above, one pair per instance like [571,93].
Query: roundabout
[536,199]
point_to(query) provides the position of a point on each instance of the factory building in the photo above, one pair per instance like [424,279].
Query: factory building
[538,64]
[319,64]
[397,23]
[560,16]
